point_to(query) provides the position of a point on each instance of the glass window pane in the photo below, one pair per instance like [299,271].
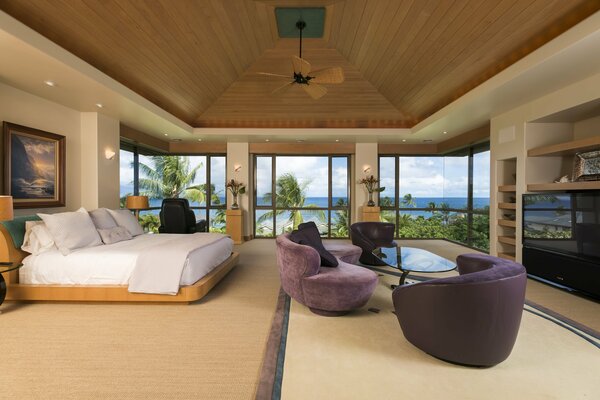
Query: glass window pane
[217,180]
[340,223]
[339,181]
[216,221]
[422,224]
[319,217]
[284,222]
[456,224]
[125,175]
[263,223]
[481,232]
[200,214]
[387,177]
[481,180]
[421,181]
[456,182]
[263,181]
[302,181]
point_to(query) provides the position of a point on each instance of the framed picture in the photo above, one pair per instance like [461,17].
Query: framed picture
[34,167]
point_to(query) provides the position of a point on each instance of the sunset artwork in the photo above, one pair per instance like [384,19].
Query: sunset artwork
[34,173]
[33,166]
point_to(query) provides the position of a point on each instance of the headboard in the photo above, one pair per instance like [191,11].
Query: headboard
[11,240]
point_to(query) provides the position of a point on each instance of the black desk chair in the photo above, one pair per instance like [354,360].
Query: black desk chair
[177,217]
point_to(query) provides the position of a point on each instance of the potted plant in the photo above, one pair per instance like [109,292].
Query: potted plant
[236,188]
[371,183]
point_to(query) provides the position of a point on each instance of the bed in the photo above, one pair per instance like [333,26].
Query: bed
[101,273]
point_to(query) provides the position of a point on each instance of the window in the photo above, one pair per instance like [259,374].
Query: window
[295,189]
[200,179]
[438,197]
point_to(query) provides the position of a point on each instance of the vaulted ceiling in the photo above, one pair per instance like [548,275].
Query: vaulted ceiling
[403,59]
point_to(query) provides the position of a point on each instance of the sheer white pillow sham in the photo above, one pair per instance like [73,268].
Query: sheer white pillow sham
[38,238]
[102,219]
[72,230]
[128,221]
[114,235]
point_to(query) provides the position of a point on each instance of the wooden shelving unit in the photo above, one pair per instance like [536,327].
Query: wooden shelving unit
[542,187]
[507,206]
[507,256]
[506,223]
[507,188]
[566,148]
[507,240]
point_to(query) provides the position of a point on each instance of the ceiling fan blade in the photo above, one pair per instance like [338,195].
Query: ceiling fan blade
[270,74]
[315,91]
[283,88]
[300,65]
[328,75]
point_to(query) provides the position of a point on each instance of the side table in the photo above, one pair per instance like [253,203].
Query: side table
[6,267]
[234,225]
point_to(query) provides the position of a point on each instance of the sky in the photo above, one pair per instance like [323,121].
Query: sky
[419,176]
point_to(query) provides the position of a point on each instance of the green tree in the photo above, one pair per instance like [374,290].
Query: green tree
[431,206]
[445,210]
[150,222]
[170,177]
[290,194]
[339,228]
[409,201]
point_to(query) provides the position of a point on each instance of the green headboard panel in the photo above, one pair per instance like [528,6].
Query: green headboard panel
[16,228]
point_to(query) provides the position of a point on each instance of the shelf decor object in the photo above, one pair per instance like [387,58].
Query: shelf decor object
[236,188]
[137,203]
[587,166]
[371,184]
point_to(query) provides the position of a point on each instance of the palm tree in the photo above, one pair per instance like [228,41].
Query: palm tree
[408,201]
[445,207]
[289,193]
[170,177]
[340,224]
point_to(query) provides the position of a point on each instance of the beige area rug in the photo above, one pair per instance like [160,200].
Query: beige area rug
[365,356]
[212,349]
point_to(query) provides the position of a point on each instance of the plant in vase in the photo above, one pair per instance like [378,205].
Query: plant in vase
[236,188]
[371,184]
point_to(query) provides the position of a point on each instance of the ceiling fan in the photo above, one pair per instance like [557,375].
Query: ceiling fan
[303,76]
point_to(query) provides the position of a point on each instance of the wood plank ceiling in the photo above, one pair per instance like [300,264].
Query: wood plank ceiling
[404,59]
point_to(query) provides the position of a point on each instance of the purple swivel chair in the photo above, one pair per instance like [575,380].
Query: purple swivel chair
[470,319]
[325,291]
[370,235]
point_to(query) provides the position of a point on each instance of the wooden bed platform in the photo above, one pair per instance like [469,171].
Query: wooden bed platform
[82,293]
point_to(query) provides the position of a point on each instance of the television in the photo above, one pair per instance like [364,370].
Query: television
[565,222]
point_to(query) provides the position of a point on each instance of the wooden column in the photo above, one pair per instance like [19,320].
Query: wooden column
[370,214]
[234,222]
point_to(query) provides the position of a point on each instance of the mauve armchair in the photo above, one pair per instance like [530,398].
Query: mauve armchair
[325,291]
[470,319]
[370,235]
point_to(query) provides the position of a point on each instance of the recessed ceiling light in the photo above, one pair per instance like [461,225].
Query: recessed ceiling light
[337,140]
[199,140]
[50,83]
[445,132]
[99,105]
[404,140]
[299,140]
[267,140]
[166,134]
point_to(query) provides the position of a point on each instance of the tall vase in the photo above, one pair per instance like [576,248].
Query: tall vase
[234,205]
[371,203]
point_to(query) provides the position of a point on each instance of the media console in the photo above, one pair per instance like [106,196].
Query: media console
[569,271]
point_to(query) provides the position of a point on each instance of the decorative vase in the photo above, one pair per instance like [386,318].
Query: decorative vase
[234,205]
[371,203]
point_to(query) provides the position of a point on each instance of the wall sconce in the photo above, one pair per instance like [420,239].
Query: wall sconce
[366,169]
[237,167]
[109,154]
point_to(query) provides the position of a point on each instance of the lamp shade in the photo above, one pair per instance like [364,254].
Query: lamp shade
[6,208]
[137,202]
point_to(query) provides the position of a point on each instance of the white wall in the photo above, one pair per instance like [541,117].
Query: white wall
[22,108]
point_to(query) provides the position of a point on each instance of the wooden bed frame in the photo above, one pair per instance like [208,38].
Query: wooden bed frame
[105,293]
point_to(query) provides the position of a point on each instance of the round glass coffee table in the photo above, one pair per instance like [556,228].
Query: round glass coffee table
[6,267]
[410,259]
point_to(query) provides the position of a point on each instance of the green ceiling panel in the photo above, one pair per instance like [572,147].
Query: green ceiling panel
[287,18]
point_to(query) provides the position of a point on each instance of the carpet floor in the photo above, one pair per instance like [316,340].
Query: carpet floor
[211,349]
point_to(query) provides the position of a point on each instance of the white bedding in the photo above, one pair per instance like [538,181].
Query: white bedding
[113,264]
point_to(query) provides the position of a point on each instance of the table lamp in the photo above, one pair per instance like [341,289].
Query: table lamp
[137,203]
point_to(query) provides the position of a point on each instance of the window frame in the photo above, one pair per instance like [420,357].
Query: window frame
[135,149]
[273,206]
[469,211]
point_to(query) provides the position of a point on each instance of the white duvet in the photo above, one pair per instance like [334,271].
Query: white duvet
[114,264]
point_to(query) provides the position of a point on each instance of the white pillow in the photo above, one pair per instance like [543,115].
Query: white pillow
[72,230]
[114,235]
[37,238]
[128,221]
[102,219]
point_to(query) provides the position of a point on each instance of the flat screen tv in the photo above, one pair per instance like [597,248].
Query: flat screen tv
[567,223]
